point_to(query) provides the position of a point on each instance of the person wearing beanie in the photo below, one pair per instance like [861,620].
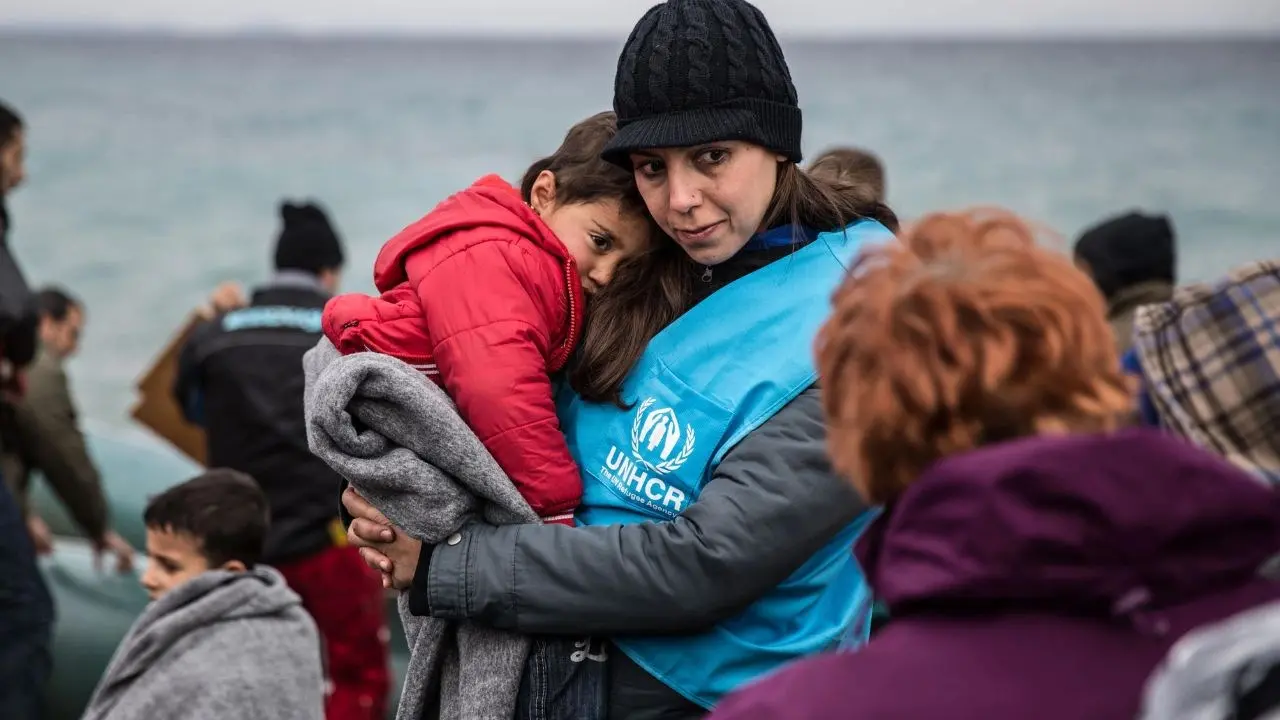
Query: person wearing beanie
[1132,259]
[714,540]
[308,244]
[240,378]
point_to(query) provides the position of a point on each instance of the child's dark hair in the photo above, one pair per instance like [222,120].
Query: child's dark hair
[853,166]
[622,321]
[222,509]
[581,176]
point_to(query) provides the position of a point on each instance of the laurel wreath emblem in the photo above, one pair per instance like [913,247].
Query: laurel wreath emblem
[666,466]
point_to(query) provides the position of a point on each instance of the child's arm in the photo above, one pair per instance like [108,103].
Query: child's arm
[490,341]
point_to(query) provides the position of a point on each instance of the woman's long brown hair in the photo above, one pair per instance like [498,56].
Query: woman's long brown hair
[823,204]
[646,294]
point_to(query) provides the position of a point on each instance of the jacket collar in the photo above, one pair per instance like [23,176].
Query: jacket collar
[298,279]
[1144,293]
[761,250]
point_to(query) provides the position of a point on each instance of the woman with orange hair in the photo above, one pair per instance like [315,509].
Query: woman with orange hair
[1037,559]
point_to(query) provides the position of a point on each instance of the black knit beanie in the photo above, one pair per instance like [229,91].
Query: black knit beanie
[700,71]
[307,240]
[1128,249]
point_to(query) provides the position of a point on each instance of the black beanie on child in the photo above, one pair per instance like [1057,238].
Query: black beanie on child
[700,71]
[307,241]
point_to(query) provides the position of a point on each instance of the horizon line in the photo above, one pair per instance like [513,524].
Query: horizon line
[269,32]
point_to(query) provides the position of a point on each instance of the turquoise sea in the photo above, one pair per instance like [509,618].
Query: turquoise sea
[156,164]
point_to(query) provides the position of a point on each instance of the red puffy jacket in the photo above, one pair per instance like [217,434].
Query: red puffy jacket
[484,298]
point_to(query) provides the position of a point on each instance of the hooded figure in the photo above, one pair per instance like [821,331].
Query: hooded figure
[1209,360]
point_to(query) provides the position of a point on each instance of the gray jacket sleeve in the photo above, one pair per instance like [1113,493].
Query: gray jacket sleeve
[772,502]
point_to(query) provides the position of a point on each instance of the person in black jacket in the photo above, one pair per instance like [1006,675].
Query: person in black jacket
[240,377]
[26,608]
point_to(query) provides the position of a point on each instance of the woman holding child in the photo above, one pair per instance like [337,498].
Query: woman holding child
[713,538]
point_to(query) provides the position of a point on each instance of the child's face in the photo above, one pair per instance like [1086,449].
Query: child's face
[599,235]
[172,559]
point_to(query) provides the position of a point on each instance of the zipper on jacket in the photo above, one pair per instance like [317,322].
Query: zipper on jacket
[573,315]
[706,274]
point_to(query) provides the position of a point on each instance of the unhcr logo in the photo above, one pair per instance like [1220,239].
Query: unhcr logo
[659,432]
[659,446]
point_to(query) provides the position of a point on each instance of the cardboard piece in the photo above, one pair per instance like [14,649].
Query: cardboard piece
[158,411]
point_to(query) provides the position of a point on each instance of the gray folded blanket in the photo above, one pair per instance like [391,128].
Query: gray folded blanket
[398,439]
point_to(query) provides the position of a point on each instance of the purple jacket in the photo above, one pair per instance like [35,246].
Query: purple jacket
[1043,578]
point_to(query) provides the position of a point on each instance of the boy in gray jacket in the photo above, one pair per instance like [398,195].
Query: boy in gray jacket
[223,636]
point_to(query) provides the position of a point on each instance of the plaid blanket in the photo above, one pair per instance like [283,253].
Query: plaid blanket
[1210,358]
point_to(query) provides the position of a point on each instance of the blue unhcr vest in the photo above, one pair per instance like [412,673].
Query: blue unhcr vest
[705,382]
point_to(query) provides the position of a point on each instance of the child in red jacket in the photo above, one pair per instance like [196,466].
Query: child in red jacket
[485,294]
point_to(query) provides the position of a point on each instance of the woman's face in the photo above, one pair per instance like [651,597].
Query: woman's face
[710,198]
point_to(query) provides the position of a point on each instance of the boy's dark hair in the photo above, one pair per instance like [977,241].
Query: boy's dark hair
[10,123]
[224,510]
[852,166]
[56,303]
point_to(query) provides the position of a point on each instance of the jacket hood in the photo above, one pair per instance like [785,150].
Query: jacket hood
[1093,524]
[207,599]
[490,202]
[1210,364]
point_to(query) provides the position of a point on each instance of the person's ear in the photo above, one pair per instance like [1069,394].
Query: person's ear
[542,197]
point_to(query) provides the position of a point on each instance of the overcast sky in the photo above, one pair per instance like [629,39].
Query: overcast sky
[617,16]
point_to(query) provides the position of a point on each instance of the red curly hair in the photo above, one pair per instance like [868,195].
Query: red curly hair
[961,333]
